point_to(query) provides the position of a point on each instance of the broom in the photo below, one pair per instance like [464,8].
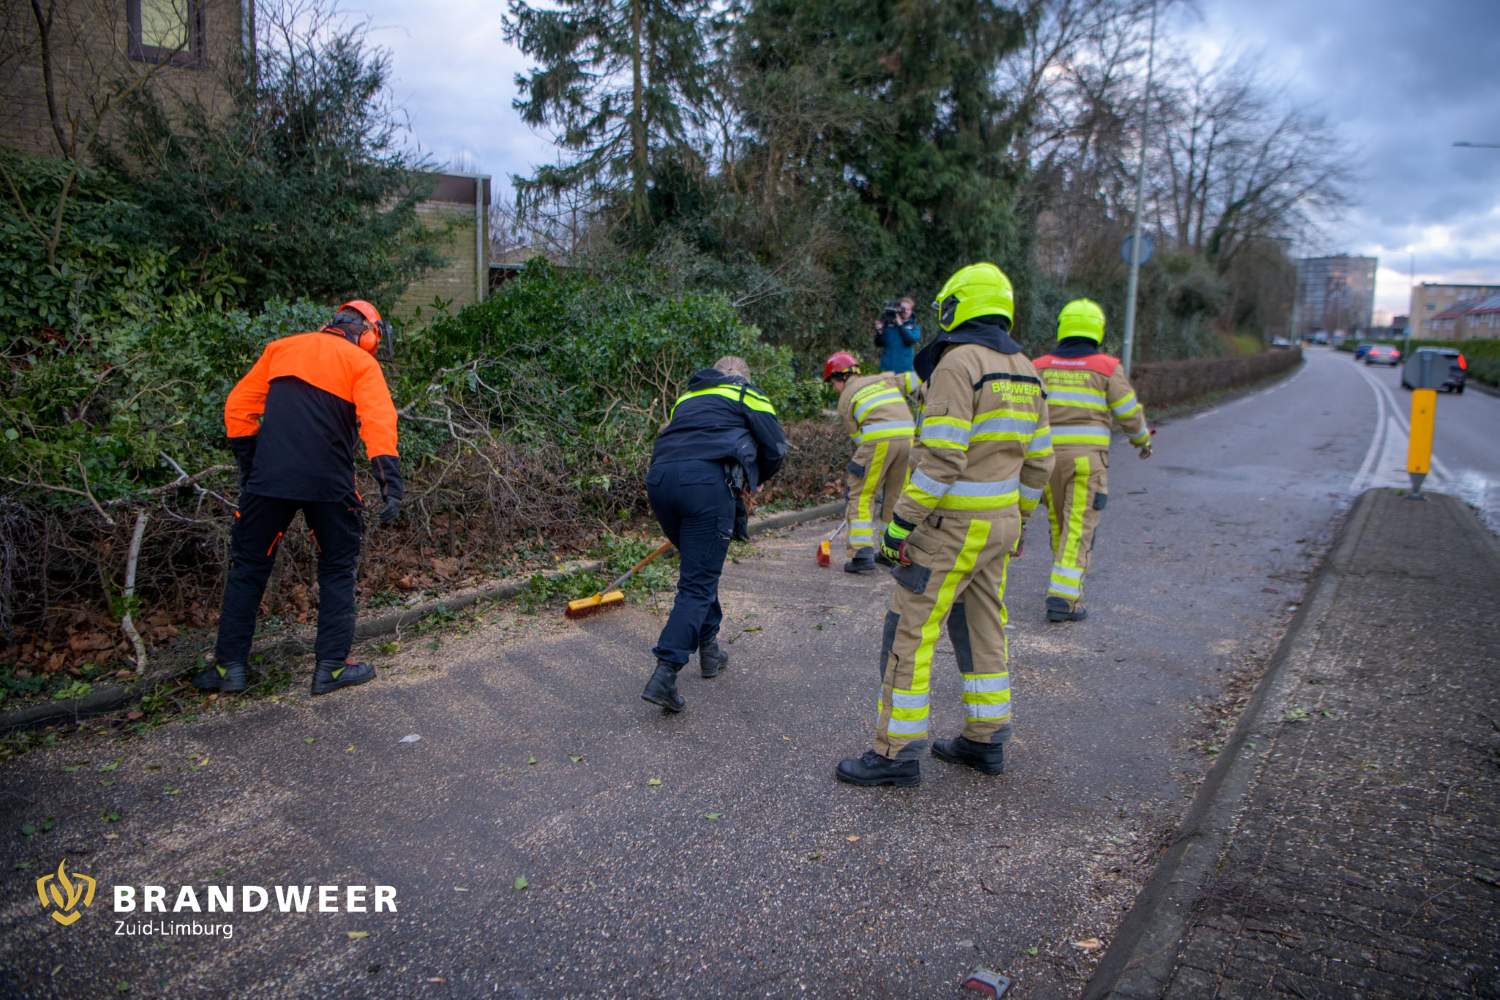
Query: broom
[825,547]
[611,595]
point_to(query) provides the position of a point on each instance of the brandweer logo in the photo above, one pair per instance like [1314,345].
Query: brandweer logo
[65,892]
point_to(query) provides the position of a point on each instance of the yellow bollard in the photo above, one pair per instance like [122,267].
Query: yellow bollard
[1419,447]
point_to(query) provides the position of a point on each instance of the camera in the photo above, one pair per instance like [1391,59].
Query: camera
[890,315]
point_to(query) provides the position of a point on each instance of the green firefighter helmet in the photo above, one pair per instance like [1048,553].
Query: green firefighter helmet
[976,290]
[1081,318]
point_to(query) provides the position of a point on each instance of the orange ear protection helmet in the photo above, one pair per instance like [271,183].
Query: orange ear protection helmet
[370,339]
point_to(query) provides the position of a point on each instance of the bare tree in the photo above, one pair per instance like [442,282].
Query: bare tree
[1238,162]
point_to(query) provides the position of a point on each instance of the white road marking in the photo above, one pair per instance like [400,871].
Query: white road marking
[1392,467]
[1361,480]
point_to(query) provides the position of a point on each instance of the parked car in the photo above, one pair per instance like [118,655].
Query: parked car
[1361,350]
[1458,368]
[1321,337]
[1382,354]
[1280,343]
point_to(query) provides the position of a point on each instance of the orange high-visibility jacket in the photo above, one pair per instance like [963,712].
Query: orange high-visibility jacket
[304,401]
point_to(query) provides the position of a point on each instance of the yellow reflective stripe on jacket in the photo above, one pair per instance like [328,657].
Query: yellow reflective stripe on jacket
[738,394]
[1004,425]
[886,430]
[946,432]
[1079,396]
[863,408]
[1126,406]
[962,495]
[1040,445]
[1063,434]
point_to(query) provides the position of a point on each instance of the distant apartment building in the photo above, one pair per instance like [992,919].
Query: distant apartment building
[1467,319]
[1334,293]
[1430,299]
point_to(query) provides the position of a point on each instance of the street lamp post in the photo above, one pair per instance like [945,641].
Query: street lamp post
[1133,282]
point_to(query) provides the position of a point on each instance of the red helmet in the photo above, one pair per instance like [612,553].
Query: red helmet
[840,363]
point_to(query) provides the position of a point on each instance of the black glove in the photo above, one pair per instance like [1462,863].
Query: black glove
[244,456]
[387,470]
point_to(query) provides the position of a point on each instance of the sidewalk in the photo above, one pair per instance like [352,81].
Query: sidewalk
[1349,844]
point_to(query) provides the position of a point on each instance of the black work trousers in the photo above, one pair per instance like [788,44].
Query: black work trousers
[694,505]
[260,523]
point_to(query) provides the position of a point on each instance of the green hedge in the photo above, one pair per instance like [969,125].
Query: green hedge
[1163,383]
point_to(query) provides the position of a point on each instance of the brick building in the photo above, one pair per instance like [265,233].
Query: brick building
[96,47]
[187,48]
[460,206]
[1430,298]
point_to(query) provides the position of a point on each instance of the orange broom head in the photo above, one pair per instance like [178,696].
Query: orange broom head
[825,553]
[585,606]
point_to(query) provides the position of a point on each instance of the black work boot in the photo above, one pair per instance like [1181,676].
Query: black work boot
[225,678]
[874,769]
[712,659]
[330,675]
[986,757]
[661,689]
[863,562]
[1058,611]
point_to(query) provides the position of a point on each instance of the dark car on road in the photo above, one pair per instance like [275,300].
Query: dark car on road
[1458,367]
[1382,354]
[1360,350]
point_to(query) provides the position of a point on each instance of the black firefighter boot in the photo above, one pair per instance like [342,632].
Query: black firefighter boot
[330,675]
[661,689]
[875,769]
[225,678]
[1058,611]
[986,757]
[712,659]
[862,562]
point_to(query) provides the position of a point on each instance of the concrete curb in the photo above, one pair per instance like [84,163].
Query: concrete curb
[113,696]
[1140,961]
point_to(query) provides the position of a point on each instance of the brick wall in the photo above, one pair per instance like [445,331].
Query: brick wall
[90,43]
[455,281]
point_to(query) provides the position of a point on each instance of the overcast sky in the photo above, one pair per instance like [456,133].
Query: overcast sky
[1401,79]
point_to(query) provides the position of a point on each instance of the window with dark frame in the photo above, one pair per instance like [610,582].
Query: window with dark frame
[165,31]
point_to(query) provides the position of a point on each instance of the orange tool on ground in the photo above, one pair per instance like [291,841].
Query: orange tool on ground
[825,547]
[612,595]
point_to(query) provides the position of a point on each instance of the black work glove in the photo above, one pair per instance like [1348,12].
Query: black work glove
[387,470]
[244,456]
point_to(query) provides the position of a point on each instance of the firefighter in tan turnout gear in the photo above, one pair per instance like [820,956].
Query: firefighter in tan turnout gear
[1086,390]
[981,461]
[876,415]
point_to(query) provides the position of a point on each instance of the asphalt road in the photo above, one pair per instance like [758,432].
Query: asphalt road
[747,871]
[1465,446]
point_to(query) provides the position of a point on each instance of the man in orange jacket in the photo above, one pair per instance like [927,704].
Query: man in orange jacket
[292,421]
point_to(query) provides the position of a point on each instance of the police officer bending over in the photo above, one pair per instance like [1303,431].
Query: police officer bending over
[723,438]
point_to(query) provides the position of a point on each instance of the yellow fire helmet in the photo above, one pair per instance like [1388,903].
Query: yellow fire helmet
[1081,318]
[976,290]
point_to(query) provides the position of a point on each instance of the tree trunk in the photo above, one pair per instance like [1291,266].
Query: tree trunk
[637,117]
